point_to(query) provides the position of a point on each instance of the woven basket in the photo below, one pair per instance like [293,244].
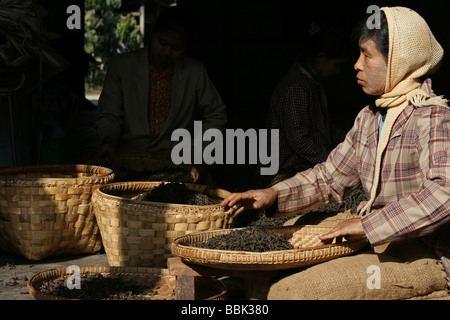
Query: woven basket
[46,211]
[140,233]
[303,238]
[206,288]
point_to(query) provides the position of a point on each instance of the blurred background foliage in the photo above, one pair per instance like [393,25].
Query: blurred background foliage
[107,33]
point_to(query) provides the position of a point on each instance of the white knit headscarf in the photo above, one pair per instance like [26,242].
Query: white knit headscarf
[413,53]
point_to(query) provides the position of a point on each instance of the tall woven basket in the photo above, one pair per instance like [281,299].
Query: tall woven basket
[140,233]
[46,210]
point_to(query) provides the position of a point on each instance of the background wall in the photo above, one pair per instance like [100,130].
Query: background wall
[246,45]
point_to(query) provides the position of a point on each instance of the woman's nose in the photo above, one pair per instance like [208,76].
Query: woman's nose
[358,65]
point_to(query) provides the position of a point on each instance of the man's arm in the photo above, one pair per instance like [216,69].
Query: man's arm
[210,103]
[109,122]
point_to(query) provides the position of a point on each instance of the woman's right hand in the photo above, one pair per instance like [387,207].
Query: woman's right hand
[250,200]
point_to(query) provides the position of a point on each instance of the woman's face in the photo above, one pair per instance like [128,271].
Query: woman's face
[166,47]
[371,67]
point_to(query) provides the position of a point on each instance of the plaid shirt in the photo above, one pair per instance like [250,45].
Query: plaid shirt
[413,197]
[298,109]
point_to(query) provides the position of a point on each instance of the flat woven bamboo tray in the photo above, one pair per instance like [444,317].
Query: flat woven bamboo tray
[206,288]
[46,210]
[303,238]
[140,233]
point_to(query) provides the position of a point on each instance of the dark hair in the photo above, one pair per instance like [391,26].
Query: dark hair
[174,19]
[380,35]
[322,37]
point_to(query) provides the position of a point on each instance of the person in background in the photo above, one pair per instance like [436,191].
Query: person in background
[149,93]
[299,106]
[398,148]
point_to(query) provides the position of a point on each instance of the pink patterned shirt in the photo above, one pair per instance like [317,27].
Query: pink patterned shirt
[160,98]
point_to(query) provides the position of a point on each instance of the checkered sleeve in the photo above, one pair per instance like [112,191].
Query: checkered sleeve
[324,183]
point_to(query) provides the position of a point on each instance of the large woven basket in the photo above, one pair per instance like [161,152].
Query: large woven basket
[140,233]
[46,211]
[303,238]
[205,288]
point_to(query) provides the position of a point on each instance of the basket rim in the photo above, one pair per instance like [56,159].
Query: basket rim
[232,259]
[101,192]
[148,157]
[39,278]
[103,173]
[179,239]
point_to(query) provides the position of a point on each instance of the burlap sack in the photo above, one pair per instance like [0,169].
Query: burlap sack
[400,270]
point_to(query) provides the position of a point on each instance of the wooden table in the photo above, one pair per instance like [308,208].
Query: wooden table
[256,282]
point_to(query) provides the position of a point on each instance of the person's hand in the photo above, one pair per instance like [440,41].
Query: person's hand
[107,150]
[252,199]
[349,229]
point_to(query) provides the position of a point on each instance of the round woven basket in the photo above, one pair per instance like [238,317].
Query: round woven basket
[303,238]
[140,233]
[46,211]
[205,288]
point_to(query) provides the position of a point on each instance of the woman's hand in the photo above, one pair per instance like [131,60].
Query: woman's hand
[350,229]
[252,199]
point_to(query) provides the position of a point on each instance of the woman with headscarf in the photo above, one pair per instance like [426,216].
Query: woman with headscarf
[398,148]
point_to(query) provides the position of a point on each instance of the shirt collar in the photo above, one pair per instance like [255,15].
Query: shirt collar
[309,72]
[168,71]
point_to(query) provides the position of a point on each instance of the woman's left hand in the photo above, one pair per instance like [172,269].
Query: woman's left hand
[349,229]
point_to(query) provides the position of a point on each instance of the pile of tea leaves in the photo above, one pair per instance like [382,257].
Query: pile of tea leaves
[175,192]
[99,287]
[171,174]
[252,239]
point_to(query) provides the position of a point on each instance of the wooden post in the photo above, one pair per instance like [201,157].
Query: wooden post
[185,283]
[256,283]
[185,288]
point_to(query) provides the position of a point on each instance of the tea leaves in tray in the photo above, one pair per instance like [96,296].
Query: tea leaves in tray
[248,239]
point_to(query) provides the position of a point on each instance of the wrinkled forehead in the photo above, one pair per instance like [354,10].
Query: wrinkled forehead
[369,45]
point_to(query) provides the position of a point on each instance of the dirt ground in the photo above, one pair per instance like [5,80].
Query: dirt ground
[15,272]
